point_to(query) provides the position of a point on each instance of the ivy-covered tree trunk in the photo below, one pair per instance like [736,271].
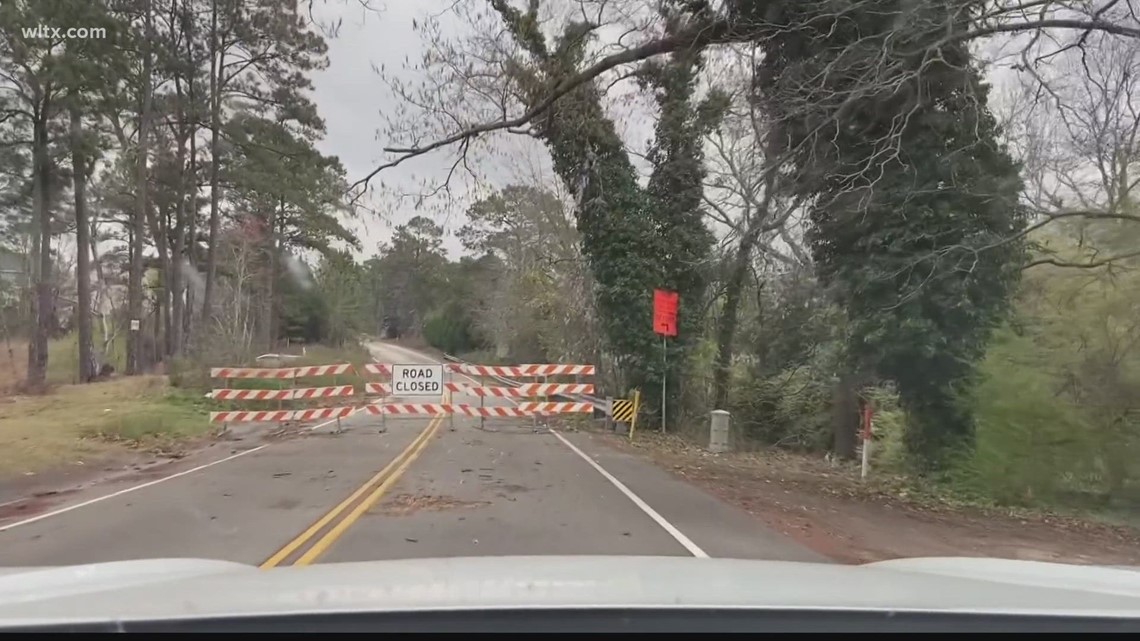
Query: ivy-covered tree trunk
[675,190]
[915,201]
[635,240]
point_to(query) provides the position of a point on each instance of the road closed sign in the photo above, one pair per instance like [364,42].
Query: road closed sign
[417,380]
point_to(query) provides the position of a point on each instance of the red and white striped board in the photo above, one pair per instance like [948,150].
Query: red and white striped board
[555,408]
[491,412]
[555,369]
[252,372]
[376,389]
[227,394]
[324,370]
[525,390]
[546,389]
[477,390]
[324,392]
[521,370]
[483,370]
[410,409]
[378,369]
[251,417]
[324,412]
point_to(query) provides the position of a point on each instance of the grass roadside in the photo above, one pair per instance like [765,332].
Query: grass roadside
[79,422]
[63,360]
[74,423]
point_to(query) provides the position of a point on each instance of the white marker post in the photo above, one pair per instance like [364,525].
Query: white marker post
[865,466]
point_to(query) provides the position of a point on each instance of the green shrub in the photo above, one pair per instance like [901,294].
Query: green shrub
[450,330]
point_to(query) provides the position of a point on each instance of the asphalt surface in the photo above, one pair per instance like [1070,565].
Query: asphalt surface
[390,489]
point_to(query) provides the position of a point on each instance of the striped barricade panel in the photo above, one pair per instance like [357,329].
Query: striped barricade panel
[556,369]
[478,390]
[483,370]
[227,394]
[550,389]
[324,370]
[555,408]
[410,409]
[376,389]
[378,369]
[252,372]
[242,416]
[490,412]
[302,393]
[323,412]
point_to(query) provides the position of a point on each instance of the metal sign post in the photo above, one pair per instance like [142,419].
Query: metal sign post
[665,325]
[664,375]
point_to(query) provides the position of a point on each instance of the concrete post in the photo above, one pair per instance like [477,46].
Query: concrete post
[610,422]
[719,432]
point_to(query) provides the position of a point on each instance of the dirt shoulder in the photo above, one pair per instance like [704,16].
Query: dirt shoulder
[827,508]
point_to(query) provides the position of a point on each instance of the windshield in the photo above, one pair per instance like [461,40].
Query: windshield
[831,281]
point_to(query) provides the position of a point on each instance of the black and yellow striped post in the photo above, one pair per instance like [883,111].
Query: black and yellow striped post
[623,410]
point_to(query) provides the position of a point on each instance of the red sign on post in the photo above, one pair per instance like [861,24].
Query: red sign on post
[664,312]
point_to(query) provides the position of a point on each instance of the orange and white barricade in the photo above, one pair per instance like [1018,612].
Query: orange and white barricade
[286,375]
[537,392]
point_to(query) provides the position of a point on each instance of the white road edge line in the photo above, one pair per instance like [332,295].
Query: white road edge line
[685,541]
[100,499]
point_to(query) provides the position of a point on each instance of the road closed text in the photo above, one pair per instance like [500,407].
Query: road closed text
[417,380]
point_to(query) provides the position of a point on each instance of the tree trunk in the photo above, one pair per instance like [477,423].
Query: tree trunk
[138,217]
[175,326]
[726,327]
[217,63]
[845,416]
[271,280]
[82,251]
[184,237]
[191,243]
[44,309]
[161,239]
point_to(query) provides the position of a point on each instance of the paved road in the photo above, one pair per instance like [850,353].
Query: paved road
[407,488]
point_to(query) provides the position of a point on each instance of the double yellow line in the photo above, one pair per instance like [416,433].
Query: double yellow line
[378,485]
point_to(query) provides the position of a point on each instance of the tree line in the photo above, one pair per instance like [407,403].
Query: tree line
[173,161]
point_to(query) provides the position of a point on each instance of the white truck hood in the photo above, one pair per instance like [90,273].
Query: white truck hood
[176,588]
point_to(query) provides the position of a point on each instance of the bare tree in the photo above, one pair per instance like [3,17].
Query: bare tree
[742,198]
[433,117]
[1074,119]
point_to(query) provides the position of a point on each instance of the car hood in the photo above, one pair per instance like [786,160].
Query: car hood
[176,588]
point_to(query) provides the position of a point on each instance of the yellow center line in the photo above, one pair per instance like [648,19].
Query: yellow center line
[323,544]
[296,543]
